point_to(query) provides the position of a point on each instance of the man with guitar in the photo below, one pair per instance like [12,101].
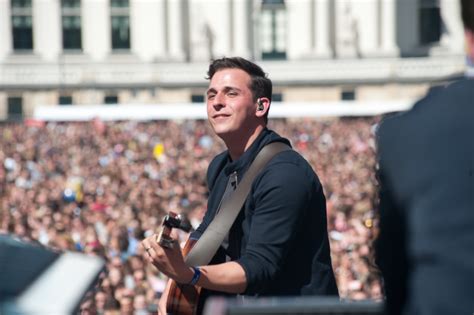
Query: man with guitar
[277,245]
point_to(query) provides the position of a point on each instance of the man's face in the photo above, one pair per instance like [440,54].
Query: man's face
[230,105]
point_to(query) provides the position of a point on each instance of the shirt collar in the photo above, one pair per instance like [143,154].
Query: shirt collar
[241,163]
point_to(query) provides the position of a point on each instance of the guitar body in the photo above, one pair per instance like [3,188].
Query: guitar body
[182,299]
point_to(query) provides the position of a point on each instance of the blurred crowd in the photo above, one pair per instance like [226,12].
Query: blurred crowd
[99,187]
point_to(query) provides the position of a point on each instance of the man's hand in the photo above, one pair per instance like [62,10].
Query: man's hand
[169,261]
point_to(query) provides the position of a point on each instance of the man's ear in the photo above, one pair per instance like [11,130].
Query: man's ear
[263,103]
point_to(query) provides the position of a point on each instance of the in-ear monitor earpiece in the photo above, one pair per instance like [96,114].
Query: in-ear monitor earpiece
[260,104]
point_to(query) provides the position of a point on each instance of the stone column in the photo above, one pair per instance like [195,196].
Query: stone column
[147,31]
[345,31]
[388,36]
[299,30]
[322,29]
[452,38]
[6,39]
[96,31]
[241,29]
[175,30]
[47,29]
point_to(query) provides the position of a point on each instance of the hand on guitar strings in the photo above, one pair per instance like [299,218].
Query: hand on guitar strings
[169,261]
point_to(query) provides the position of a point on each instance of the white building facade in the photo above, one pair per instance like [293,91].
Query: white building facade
[83,52]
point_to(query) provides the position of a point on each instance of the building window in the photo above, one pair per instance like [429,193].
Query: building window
[120,22]
[348,95]
[197,98]
[430,26]
[111,99]
[22,24]
[273,29]
[65,100]
[15,108]
[277,97]
[71,20]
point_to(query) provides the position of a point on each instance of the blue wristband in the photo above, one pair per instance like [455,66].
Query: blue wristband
[197,275]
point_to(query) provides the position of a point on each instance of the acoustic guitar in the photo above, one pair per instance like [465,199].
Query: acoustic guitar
[183,299]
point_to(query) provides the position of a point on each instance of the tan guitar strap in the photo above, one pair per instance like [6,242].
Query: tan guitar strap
[209,242]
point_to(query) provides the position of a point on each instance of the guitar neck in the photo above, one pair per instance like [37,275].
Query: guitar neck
[188,246]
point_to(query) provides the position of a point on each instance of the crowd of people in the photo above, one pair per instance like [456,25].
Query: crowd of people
[101,187]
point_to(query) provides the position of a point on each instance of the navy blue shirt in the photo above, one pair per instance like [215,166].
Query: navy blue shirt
[280,236]
[425,247]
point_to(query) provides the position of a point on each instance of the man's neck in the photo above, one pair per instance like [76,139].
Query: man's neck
[237,145]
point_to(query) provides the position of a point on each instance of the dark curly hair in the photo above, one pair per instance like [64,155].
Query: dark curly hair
[467,13]
[260,85]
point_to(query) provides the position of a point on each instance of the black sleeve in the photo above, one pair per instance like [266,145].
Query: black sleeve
[281,196]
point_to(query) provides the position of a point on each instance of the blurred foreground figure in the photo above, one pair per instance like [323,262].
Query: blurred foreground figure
[425,249]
